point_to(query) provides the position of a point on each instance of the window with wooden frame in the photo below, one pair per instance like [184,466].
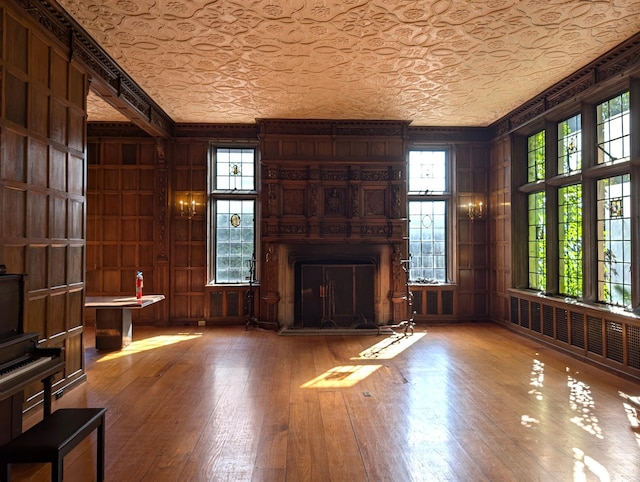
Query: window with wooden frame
[233,215]
[579,232]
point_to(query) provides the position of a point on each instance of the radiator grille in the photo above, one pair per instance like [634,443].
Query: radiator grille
[524,313]
[547,320]
[594,335]
[417,302]
[216,303]
[232,303]
[432,302]
[562,326]
[514,311]
[577,329]
[535,317]
[614,341]
[447,302]
[633,346]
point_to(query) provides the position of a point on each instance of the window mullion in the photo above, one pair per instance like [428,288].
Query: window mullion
[551,194]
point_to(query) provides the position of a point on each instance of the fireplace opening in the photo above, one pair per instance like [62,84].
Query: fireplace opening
[338,294]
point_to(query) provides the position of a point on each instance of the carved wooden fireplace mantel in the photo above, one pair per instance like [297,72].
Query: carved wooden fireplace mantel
[333,194]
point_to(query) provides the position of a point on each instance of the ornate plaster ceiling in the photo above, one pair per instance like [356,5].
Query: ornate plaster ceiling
[433,62]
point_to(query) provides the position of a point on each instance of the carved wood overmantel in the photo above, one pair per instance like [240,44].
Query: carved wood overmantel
[337,183]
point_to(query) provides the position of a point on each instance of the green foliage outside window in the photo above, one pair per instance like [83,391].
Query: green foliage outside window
[536,157]
[537,241]
[613,129]
[570,237]
[614,240]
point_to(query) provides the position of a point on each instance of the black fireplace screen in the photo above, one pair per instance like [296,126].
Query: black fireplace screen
[335,295]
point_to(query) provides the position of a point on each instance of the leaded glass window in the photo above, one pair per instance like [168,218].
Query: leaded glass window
[233,215]
[537,241]
[235,239]
[427,172]
[570,145]
[429,198]
[235,169]
[613,129]
[614,240]
[570,240]
[428,241]
[536,157]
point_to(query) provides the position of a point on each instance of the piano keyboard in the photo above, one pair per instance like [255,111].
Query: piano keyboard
[22,367]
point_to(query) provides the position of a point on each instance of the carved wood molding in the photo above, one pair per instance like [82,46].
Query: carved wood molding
[114,129]
[81,47]
[622,60]
[327,127]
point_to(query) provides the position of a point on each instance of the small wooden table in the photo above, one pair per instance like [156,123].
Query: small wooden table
[113,318]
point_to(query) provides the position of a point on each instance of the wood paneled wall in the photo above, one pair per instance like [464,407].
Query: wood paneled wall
[500,228]
[126,222]
[471,257]
[128,212]
[42,185]
[189,297]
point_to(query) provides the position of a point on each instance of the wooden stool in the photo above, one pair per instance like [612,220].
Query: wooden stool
[54,437]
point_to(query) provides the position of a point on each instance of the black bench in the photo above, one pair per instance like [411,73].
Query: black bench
[53,438]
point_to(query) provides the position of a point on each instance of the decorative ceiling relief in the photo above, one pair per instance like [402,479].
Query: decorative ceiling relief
[433,62]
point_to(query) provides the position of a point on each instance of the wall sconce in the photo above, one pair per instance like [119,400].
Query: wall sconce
[187,207]
[475,211]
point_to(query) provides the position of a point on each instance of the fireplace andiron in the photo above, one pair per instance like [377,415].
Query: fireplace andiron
[408,324]
[249,307]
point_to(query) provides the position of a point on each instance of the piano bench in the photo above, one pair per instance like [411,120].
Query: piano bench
[54,437]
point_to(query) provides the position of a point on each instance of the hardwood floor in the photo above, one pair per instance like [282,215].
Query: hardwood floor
[450,403]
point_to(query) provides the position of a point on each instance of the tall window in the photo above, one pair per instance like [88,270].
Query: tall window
[570,268]
[536,157]
[613,129]
[537,241]
[591,237]
[614,240]
[570,240]
[234,198]
[570,145]
[428,202]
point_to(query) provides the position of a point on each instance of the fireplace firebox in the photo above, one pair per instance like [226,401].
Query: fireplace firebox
[335,295]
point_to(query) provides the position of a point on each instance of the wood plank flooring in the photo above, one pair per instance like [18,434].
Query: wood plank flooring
[450,403]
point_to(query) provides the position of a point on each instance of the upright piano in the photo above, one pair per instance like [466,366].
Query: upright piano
[22,361]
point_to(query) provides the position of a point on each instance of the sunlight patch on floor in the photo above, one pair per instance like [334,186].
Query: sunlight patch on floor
[537,379]
[584,465]
[582,403]
[149,344]
[631,410]
[342,376]
[389,347]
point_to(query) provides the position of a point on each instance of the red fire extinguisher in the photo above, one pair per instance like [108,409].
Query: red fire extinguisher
[139,284]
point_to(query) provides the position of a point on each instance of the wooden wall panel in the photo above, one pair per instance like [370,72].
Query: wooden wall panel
[500,229]
[124,211]
[471,235]
[188,255]
[56,314]
[42,182]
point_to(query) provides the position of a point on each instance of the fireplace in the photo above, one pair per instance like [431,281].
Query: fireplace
[325,286]
[334,295]
[333,222]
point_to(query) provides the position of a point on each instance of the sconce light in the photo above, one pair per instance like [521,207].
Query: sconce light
[475,211]
[187,207]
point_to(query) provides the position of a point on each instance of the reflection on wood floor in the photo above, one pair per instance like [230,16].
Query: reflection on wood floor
[455,403]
